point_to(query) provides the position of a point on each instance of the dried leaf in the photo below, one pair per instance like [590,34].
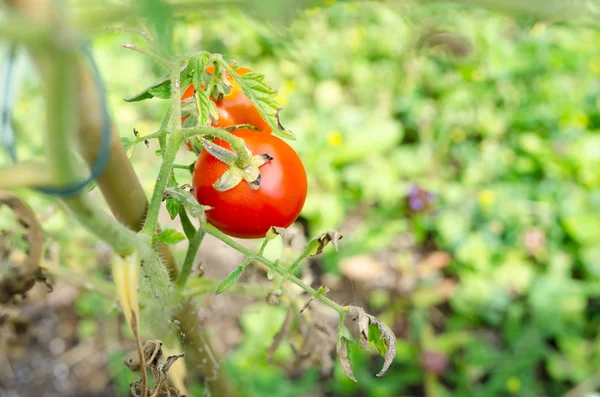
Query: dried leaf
[152,351]
[342,353]
[316,245]
[389,338]
[275,231]
[359,315]
[170,361]
[273,299]
[280,336]
[371,328]
[18,278]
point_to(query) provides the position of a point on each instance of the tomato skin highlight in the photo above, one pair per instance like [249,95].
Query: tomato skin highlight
[246,213]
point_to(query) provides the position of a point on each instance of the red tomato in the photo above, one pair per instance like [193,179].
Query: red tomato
[234,108]
[246,213]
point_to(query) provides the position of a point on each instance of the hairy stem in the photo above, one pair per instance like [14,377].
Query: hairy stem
[173,143]
[158,59]
[190,257]
[207,286]
[210,229]
[291,270]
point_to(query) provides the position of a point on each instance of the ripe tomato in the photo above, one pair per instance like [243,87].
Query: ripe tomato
[235,108]
[189,92]
[246,213]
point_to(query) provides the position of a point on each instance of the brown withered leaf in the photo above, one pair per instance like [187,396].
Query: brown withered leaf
[342,353]
[388,337]
[170,361]
[280,335]
[359,315]
[19,277]
[152,353]
[315,246]
[371,328]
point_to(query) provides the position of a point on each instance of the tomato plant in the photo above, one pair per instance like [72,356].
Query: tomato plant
[242,211]
[233,108]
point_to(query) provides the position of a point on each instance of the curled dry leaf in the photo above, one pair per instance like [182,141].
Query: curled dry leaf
[389,343]
[273,299]
[170,361]
[152,354]
[342,353]
[18,278]
[275,231]
[280,335]
[359,315]
[315,246]
[372,329]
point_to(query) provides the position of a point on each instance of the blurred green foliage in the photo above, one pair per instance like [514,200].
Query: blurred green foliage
[498,116]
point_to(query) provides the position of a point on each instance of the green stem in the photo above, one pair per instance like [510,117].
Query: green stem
[173,143]
[291,270]
[62,122]
[161,183]
[210,229]
[206,286]
[186,223]
[164,126]
[263,246]
[157,135]
[158,59]
[190,257]
[26,174]
[181,167]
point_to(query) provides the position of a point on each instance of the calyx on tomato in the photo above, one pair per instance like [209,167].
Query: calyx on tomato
[241,166]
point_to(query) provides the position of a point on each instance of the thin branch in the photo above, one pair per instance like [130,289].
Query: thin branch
[158,59]
[190,257]
[210,229]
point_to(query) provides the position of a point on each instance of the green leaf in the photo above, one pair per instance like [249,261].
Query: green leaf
[159,89]
[173,206]
[199,62]
[128,145]
[208,109]
[263,98]
[162,88]
[195,209]
[231,279]
[170,236]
